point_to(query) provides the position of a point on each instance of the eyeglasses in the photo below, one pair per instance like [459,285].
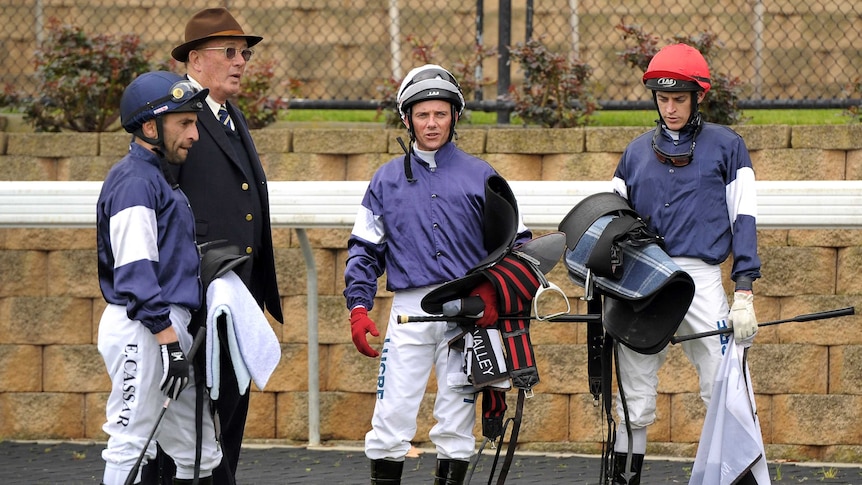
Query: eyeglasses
[230,52]
[680,160]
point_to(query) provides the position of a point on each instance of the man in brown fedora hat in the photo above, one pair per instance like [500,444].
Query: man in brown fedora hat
[226,186]
[208,24]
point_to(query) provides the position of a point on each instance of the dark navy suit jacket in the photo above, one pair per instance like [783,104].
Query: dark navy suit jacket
[221,190]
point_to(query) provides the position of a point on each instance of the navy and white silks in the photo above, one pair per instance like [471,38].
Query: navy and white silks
[705,211]
[421,233]
[148,258]
[148,266]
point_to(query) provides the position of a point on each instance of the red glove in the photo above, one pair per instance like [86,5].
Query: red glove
[360,324]
[488,294]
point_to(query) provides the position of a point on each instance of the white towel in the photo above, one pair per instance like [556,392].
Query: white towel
[731,441]
[253,346]
[213,355]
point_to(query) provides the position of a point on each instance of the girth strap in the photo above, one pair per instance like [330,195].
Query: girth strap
[216,260]
[607,359]
[493,409]
[493,428]
[516,284]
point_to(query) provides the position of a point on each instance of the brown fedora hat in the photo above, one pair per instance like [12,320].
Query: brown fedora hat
[209,23]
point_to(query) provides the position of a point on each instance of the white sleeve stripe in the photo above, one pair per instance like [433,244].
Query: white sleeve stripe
[618,185]
[368,226]
[134,235]
[741,195]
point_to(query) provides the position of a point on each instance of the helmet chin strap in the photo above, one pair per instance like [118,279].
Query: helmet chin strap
[158,144]
[158,141]
[410,130]
[452,132]
[695,120]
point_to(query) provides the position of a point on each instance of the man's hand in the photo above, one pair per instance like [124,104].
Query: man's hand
[360,325]
[175,370]
[742,317]
[488,294]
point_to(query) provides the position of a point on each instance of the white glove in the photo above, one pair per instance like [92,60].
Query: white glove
[742,317]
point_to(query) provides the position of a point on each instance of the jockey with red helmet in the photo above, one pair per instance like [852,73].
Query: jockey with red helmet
[693,182]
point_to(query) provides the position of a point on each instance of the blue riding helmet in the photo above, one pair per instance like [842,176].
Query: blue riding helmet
[154,94]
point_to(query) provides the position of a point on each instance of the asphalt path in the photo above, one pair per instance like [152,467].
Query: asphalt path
[73,463]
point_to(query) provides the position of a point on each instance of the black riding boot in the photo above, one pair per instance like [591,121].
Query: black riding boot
[634,475]
[450,472]
[188,481]
[386,472]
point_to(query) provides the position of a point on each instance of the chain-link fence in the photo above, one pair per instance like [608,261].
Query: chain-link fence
[340,54]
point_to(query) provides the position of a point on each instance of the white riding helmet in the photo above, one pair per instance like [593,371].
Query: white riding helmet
[429,82]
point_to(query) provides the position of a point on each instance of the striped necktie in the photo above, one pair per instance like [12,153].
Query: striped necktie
[224,118]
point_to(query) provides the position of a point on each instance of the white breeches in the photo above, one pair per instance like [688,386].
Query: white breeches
[134,364]
[409,353]
[708,311]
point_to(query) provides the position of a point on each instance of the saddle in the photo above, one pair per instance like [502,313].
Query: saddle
[517,274]
[610,248]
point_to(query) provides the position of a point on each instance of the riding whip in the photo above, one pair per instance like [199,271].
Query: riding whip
[840,312]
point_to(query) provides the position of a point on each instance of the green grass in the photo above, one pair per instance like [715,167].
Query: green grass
[333,115]
[752,117]
[600,118]
[797,117]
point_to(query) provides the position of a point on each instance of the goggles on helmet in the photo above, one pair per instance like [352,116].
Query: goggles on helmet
[429,82]
[431,73]
[680,160]
[180,93]
[183,91]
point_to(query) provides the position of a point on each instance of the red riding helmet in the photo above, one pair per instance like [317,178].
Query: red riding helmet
[677,67]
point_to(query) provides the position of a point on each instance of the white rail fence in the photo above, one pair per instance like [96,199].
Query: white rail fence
[305,205]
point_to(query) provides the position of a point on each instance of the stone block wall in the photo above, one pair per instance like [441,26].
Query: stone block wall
[806,375]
